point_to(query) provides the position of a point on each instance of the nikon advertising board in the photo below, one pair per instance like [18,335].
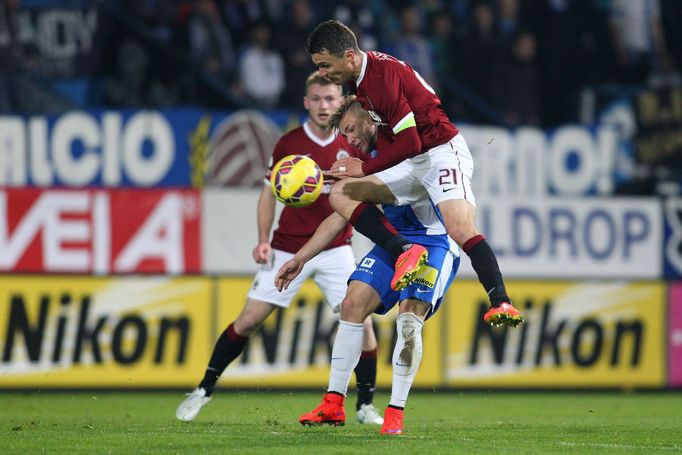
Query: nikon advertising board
[577,334]
[294,346]
[60,331]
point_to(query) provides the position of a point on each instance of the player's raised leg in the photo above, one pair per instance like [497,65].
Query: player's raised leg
[459,216]
[367,219]
[360,301]
[229,346]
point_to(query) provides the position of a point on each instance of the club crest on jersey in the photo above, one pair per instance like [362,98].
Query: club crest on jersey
[341,154]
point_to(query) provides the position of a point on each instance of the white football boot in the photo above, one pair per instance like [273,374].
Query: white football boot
[369,414]
[190,408]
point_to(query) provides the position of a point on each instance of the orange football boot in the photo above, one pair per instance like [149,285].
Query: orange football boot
[331,411]
[408,265]
[503,314]
[393,421]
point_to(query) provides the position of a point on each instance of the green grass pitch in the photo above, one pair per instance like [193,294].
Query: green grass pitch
[250,422]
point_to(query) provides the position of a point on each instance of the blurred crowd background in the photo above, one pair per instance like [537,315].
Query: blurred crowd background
[506,62]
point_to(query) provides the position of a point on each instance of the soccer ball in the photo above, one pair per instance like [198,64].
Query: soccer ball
[296,181]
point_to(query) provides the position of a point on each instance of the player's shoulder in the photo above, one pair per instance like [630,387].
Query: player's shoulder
[293,134]
[382,58]
[384,62]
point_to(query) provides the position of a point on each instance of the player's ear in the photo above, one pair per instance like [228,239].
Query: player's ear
[349,55]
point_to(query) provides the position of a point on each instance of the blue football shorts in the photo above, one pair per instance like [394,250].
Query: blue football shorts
[376,269]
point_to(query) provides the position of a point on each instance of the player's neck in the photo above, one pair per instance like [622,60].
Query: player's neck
[319,132]
[357,64]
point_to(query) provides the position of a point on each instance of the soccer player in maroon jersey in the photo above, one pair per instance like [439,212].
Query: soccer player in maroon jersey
[426,157]
[330,269]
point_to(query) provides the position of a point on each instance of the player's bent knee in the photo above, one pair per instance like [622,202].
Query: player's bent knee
[336,192]
[353,311]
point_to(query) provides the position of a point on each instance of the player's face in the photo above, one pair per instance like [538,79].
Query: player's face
[339,70]
[359,131]
[322,101]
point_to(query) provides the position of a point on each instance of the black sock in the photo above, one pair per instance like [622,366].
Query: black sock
[366,377]
[227,348]
[485,264]
[370,222]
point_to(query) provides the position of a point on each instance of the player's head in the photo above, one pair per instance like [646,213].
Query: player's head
[322,98]
[333,47]
[355,124]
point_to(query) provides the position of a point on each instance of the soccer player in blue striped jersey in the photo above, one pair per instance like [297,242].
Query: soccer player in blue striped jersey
[369,291]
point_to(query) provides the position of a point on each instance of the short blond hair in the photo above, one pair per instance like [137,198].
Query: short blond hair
[350,104]
[316,78]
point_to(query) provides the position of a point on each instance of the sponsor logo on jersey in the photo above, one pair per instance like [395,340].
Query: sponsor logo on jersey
[367,262]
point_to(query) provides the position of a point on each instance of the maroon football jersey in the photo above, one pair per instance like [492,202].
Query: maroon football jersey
[297,225]
[389,89]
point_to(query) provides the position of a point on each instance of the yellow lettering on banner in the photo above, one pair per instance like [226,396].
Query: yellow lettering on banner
[103,332]
[293,347]
[576,334]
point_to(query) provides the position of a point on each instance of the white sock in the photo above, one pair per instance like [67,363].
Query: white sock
[345,355]
[406,356]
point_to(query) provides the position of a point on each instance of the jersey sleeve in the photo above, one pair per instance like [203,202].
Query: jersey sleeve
[398,110]
[278,153]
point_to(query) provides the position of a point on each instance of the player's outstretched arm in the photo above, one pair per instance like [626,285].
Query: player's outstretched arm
[406,144]
[265,217]
[325,233]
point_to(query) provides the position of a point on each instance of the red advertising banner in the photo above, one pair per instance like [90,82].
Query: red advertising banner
[100,231]
[675,335]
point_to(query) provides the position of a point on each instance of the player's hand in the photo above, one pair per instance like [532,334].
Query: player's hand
[262,253]
[286,274]
[347,167]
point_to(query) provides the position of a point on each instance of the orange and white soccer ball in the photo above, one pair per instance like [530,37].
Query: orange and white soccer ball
[296,181]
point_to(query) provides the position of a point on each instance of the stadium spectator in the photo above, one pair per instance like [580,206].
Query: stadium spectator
[330,270]
[638,38]
[515,81]
[569,54]
[288,39]
[128,84]
[241,15]
[442,42]
[210,43]
[508,19]
[369,291]
[158,15]
[261,68]
[358,15]
[415,161]
[411,46]
[480,47]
